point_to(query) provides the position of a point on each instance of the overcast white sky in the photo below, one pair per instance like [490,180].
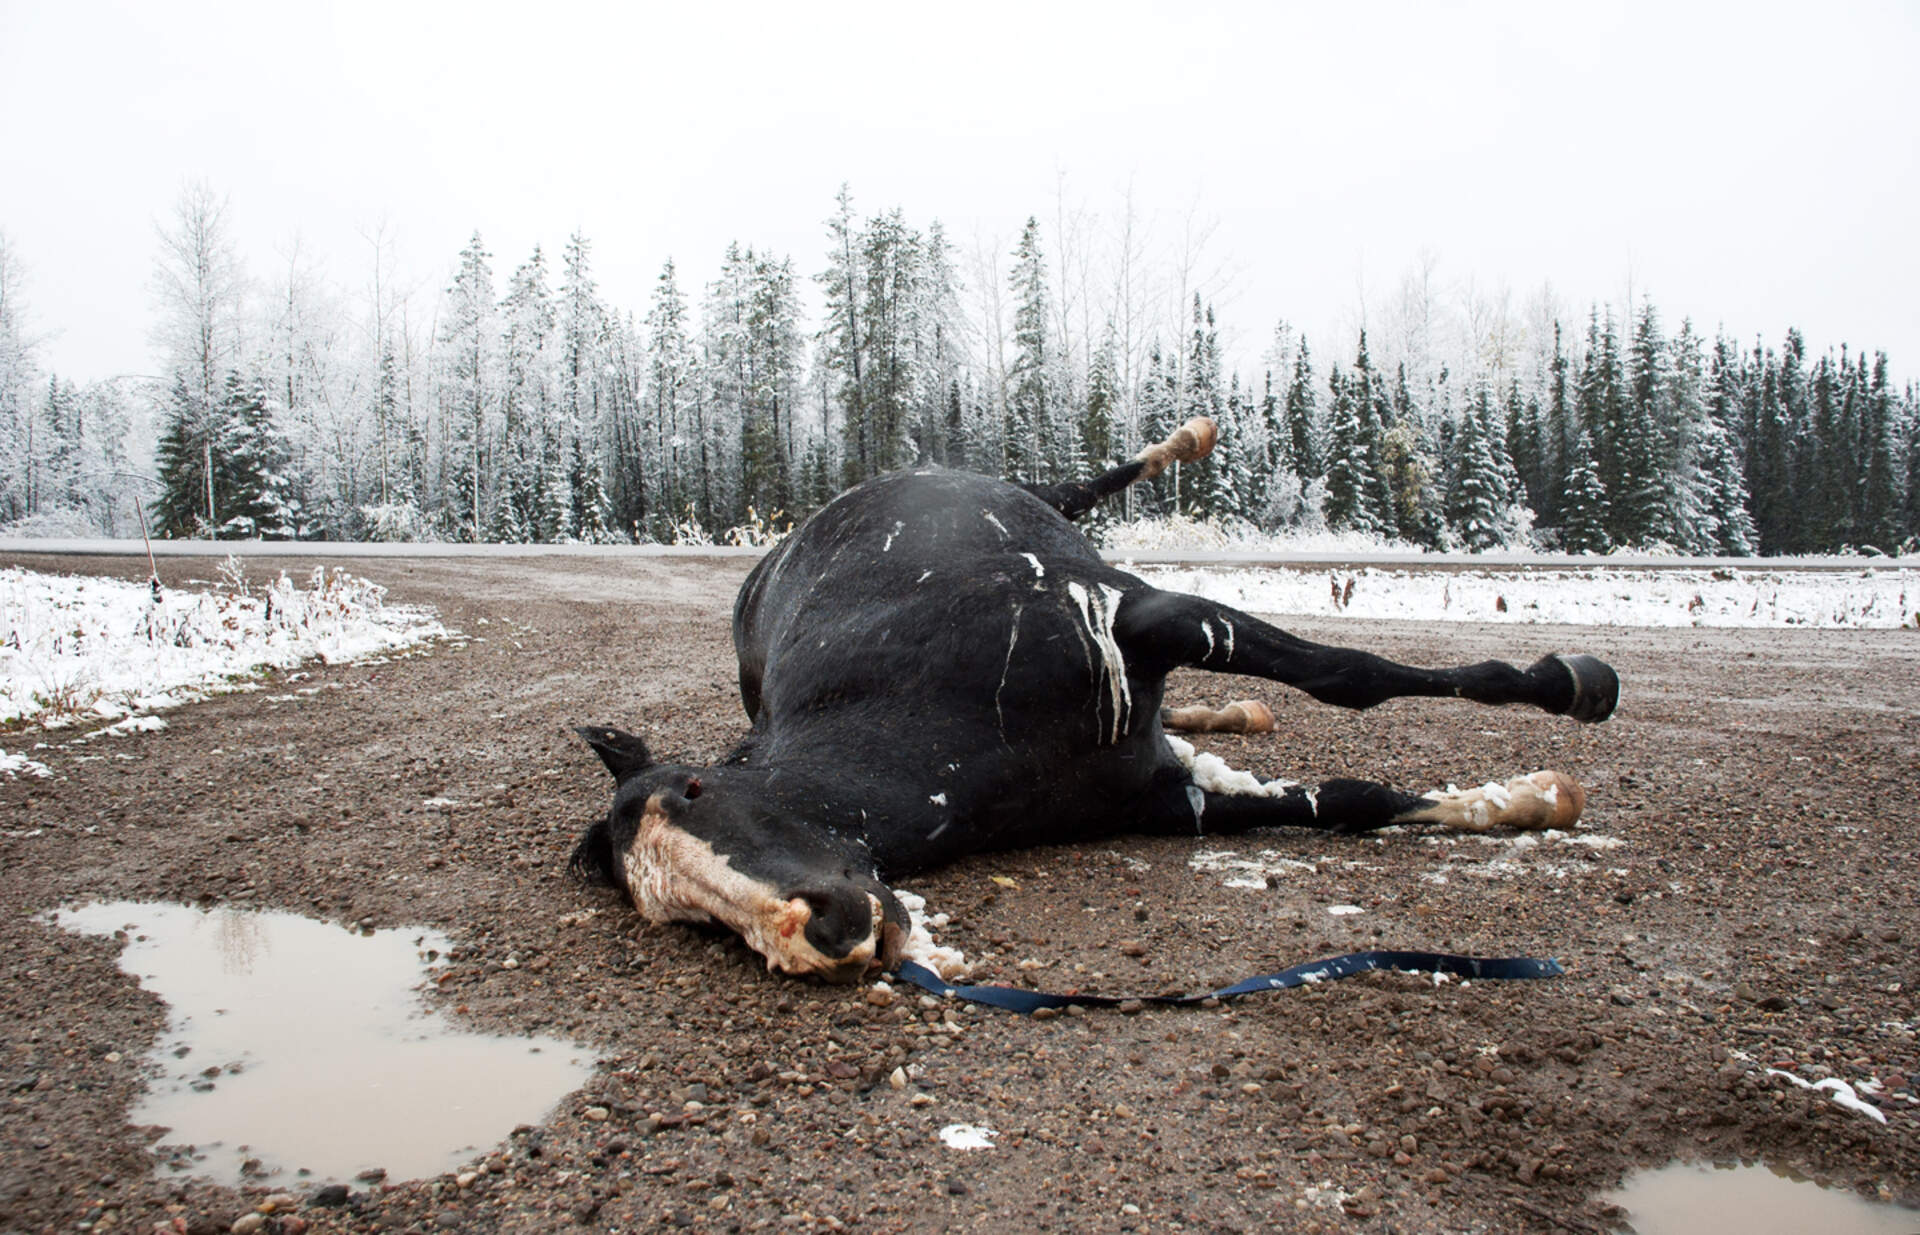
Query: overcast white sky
[1747,164]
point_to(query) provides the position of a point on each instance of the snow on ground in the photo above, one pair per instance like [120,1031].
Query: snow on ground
[75,649]
[949,963]
[1583,596]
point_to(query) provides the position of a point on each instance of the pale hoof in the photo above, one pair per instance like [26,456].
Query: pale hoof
[1245,716]
[1192,440]
[1532,803]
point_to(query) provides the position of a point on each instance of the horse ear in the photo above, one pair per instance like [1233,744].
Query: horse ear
[623,753]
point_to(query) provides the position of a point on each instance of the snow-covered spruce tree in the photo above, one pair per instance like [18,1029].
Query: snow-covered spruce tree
[670,391]
[1352,446]
[1880,489]
[529,430]
[19,376]
[1557,433]
[1030,401]
[1159,417]
[1478,499]
[1409,472]
[252,473]
[1302,417]
[586,408]
[466,362]
[1584,529]
[891,259]
[181,457]
[841,353]
[775,351]
[940,358]
[1203,485]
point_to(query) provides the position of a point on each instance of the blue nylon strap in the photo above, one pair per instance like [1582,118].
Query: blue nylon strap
[1486,968]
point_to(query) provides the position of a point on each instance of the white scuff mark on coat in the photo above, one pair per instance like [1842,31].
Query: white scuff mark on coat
[1229,627]
[1206,628]
[924,576]
[938,799]
[1098,611]
[1197,799]
[1039,571]
[888,545]
[998,526]
[1013,638]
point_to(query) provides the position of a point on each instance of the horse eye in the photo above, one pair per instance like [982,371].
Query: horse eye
[693,788]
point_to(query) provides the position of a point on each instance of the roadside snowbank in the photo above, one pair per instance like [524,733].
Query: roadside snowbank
[1598,596]
[75,649]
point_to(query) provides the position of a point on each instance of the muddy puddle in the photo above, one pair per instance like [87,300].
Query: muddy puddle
[1688,1198]
[299,1050]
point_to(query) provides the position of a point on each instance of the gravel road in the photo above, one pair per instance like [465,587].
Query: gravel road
[1757,911]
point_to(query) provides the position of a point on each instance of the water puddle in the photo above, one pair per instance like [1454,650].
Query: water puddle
[296,1047]
[1686,1198]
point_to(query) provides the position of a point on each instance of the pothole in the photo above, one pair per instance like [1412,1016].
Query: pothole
[1684,1198]
[300,1048]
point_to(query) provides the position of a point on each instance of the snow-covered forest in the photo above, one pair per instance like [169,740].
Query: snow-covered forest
[296,404]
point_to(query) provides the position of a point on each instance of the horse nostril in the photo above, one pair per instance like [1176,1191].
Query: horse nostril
[841,920]
[693,788]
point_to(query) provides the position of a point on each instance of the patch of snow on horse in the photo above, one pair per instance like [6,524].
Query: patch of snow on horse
[1213,774]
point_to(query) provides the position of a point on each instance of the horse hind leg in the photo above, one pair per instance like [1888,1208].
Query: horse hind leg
[1192,440]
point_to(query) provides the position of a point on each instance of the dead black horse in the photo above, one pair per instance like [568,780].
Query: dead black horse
[939,664]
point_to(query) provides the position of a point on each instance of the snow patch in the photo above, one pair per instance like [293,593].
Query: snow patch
[1247,871]
[1344,911]
[1599,595]
[967,1136]
[12,766]
[75,646]
[1841,1092]
[949,963]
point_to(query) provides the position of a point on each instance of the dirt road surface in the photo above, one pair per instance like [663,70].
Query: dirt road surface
[1758,911]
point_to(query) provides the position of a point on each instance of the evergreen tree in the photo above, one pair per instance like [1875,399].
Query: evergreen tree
[1584,529]
[1880,488]
[252,467]
[183,457]
[1032,454]
[842,354]
[1300,417]
[529,439]
[1478,499]
[1351,450]
[1203,485]
[1099,434]
[670,382]
[468,391]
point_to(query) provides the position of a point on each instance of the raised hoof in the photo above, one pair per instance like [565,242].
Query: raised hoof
[1194,439]
[1596,687]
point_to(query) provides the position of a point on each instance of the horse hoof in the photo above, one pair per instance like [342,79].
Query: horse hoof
[1596,687]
